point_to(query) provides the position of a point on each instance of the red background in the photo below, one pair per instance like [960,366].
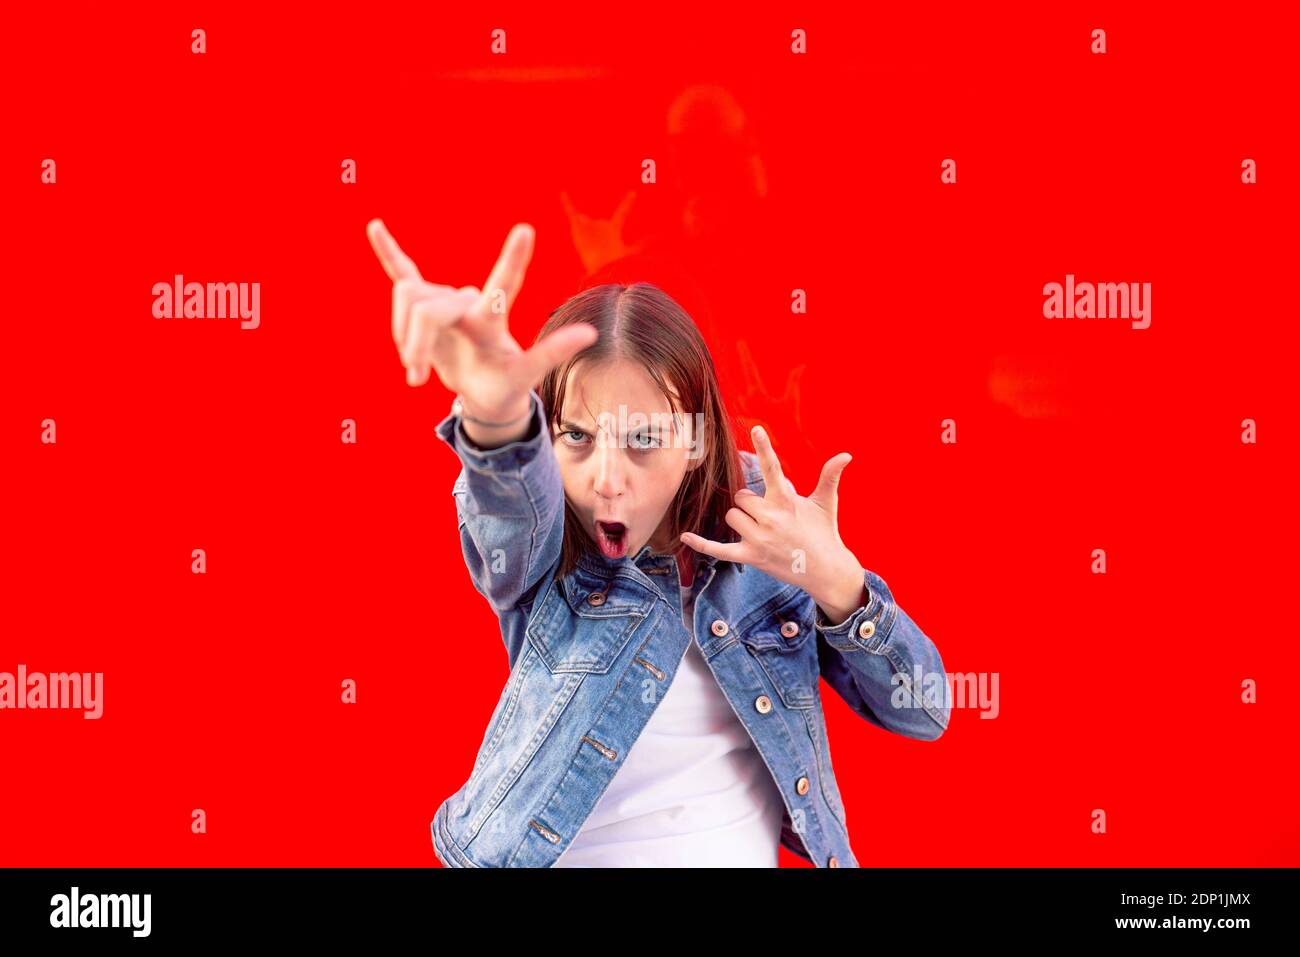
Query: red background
[329,561]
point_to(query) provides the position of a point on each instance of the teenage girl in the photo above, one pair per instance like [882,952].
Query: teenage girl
[692,790]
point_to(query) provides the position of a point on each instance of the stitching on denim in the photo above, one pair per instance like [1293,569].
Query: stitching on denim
[840,814]
[811,811]
[788,594]
[535,630]
[918,696]
[512,702]
[761,657]
[563,696]
[885,630]
[457,853]
[532,544]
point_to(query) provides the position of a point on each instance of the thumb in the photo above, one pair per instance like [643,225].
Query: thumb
[826,493]
[556,348]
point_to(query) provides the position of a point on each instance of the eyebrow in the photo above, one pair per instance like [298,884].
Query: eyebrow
[566,426]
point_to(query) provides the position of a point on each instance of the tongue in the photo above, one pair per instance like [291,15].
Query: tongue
[610,543]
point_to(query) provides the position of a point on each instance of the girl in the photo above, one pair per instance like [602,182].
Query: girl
[668,604]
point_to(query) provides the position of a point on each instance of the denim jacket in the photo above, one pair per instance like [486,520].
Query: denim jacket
[591,653]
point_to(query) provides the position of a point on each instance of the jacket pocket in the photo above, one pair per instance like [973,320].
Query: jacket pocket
[585,624]
[779,635]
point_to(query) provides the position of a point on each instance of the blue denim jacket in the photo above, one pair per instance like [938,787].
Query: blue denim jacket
[583,648]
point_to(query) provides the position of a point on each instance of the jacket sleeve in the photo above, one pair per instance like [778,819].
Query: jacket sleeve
[884,666]
[509,508]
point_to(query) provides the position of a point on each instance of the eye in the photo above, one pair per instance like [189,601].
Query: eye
[576,432]
[650,441]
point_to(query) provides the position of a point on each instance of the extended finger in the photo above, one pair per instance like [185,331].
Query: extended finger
[554,349]
[396,263]
[428,317]
[827,491]
[742,522]
[753,503]
[407,292]
[507,275]
[773,478]
[727,551]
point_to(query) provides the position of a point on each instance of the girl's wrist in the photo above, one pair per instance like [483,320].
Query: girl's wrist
[498,428]
[511,416]
[846,594]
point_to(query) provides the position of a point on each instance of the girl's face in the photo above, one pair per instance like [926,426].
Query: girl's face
[621,460]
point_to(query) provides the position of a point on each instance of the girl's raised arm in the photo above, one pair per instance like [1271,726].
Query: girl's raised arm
[509,495]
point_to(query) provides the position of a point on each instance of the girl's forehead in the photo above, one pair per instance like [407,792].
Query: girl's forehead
[621,418]
[616,382]
[593,405]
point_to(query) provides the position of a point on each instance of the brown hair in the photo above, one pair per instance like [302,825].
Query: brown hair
[642,323]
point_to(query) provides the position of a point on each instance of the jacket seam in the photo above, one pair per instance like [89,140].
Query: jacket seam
[515,772]
[532,544]
[442,838]
[817,740]
[811,811]
[919,698]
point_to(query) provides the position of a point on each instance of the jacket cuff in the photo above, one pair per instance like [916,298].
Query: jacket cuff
[510,457]
[867,628]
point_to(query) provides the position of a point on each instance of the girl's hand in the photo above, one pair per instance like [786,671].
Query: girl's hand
[462,333]
[793,538]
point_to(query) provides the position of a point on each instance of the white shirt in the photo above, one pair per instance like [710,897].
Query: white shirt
[692,790]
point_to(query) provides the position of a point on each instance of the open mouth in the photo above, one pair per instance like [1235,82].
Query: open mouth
[612,538]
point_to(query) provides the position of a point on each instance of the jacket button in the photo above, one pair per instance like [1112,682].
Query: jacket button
[801,786]
[596,598]
[790,628]
[719,627]
[867,628]
[833,862]
[763,703]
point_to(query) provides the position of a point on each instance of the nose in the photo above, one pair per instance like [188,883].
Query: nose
[610,479]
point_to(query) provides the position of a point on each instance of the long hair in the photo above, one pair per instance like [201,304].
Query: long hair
[642,323]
